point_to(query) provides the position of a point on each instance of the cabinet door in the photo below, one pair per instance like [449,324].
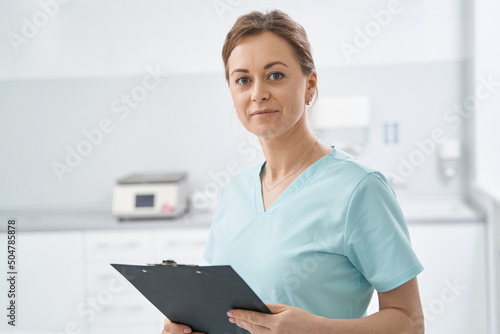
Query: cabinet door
[126,310]
[453,283]
[117,305]
[184,245]
[50,282]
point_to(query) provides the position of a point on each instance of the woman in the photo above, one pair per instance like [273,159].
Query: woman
[311,230]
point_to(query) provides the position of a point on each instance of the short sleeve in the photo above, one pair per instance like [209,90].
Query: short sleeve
[377,241]
[209,248]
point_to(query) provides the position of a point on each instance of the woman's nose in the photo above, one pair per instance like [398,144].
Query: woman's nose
[260,91]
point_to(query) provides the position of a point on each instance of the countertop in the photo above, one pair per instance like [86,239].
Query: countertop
[492,191]
[439,209]
[89,219]
[416,210]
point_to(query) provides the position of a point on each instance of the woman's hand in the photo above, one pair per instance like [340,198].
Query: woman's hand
[284,320]
[173,328]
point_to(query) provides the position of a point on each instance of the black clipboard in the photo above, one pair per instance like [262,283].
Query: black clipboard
[197,296]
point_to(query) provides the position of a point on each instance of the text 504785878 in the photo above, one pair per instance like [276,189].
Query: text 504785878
[11,272]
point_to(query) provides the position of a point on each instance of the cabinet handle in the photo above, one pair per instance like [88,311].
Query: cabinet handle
[133,306]
[132,244]
[103,275]
[104,245]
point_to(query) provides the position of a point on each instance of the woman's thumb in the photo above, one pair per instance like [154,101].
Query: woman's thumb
[276,308]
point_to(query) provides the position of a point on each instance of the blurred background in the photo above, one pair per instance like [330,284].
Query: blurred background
[95,91]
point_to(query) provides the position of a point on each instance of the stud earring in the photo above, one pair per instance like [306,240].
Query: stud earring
[309,100]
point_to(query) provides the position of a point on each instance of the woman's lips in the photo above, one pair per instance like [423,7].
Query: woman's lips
[263,113]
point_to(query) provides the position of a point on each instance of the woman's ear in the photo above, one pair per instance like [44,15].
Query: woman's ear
[312,81]
[311,86]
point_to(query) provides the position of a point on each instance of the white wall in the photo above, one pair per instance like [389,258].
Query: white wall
[94,38]
[486,54]
[67,76]
[487,114]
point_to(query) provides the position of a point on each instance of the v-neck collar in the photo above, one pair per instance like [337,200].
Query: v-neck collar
[293,188]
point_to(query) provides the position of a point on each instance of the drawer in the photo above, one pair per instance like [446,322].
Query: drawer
[130,329]
[119,310]
[104,276]
[180,243]
[113,246]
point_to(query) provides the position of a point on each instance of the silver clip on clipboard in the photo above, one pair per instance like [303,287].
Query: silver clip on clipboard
[170,262]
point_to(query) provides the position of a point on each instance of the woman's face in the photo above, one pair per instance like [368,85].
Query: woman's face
[268,87]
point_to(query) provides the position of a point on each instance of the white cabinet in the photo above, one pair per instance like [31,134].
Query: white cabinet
[184,245]
[50,282]
[117,305]
[66,283]
[453,285]
[113,303]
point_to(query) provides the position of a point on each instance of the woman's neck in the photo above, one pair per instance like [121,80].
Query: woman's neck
[285,153]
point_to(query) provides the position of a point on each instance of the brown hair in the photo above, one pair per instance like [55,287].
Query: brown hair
[274,21]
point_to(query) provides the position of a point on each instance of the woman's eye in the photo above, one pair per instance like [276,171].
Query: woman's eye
[243,81]
[276,76]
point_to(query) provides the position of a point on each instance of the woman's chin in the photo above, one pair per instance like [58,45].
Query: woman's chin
[265,132]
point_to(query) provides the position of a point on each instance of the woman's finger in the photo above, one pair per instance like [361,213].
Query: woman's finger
[170,327]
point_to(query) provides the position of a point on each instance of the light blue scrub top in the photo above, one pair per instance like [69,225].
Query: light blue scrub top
[334,234]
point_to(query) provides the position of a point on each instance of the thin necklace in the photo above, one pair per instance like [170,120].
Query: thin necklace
[277,184]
